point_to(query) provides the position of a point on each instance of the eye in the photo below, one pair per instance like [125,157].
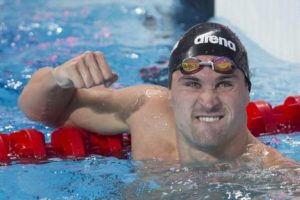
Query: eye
[224,85]
[193,84]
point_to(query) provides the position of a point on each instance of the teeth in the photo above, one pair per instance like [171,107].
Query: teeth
[208,119]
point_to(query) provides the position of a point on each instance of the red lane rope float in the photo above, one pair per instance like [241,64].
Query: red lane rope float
[28,145]
[76,142]
[4,148]
[265,120]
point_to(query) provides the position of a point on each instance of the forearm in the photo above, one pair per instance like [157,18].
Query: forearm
[43,100]
[49,95]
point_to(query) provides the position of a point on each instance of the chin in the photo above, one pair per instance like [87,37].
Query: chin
[206,145]
[209,137]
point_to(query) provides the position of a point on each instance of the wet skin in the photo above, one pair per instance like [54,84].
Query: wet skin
[201,118]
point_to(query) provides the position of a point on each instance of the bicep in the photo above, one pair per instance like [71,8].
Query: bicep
[105,110]
[89,119]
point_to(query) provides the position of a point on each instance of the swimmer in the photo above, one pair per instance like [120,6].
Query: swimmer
[201,117]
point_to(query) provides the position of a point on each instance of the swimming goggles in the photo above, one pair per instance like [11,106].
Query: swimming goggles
[193,65]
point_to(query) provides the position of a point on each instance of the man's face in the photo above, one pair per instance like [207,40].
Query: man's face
[209,107]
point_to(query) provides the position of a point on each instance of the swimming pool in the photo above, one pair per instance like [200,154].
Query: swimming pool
[132,35]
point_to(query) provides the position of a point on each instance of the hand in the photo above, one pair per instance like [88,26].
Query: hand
[84,71]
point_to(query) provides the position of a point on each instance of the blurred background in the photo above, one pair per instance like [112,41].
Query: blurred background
[272,24]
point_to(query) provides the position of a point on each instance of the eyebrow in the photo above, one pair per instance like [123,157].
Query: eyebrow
[220,78]
[188,77]
[227,76]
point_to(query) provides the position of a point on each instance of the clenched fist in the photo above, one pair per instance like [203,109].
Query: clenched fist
[84,71]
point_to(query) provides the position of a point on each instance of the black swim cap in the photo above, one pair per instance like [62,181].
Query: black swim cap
[210,39]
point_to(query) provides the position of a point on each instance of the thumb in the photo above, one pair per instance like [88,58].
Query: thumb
[111,80]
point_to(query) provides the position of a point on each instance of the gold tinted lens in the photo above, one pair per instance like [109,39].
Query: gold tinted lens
[190,65]
[223,65]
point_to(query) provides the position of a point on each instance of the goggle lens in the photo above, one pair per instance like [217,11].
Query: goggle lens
[190,65]
[221,65]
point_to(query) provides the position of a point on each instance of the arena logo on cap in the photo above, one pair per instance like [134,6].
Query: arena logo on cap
[200,39]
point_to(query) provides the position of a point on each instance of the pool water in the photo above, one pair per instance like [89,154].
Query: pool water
[133,35]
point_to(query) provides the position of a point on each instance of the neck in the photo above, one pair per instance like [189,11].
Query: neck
[225,152]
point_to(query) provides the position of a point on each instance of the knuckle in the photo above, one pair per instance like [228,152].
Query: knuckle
[100,54]
[73,62]
[87,53]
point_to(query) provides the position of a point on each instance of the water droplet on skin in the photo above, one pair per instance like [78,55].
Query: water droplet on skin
[151,92]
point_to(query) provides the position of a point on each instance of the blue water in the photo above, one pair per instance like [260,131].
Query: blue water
[132,34]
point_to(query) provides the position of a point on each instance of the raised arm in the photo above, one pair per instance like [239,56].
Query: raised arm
[60,96]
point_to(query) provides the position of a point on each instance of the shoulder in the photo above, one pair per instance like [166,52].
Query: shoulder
[144,101]
[145,97]
[276,160]
[271,158]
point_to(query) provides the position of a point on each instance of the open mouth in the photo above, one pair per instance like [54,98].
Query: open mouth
[209,119]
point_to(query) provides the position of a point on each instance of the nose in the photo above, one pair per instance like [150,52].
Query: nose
[209,100]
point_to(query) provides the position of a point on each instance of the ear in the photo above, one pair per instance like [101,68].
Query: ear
[247,98]
[248,93]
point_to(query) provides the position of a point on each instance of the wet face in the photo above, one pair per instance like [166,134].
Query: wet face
[209,107]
